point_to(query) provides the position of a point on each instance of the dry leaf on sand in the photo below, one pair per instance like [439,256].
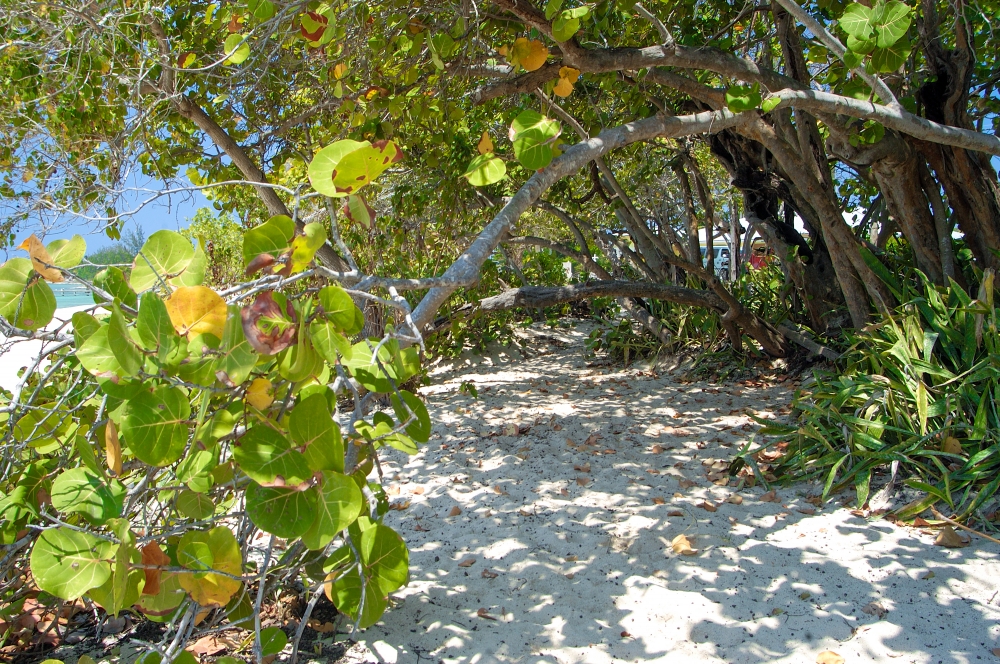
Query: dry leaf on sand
[585,468]
[829,657]
[659,501]
[735,499]
[949,538]
[875,609]
[583,481]
[675,513]
[708,505]
[682,546]
[686,484]
[455,511]
[468,562]
[489,574]
[770,497]
[483,614]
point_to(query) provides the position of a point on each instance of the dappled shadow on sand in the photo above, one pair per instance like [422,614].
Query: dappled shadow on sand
[537,547]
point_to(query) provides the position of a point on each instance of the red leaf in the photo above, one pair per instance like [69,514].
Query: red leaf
[261,326]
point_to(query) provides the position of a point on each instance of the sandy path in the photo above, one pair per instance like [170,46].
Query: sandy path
[577,565]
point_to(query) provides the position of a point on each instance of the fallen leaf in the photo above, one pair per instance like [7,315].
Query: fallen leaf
[525,512]
[592,438]
[510,430]
[829,657]
[950,539]
[489,574]
[610,451]
[815,500]
[570,576]
[455,511]
[652,471]
[625,635]
[321,627]
[996,651]
[483,614]
[805,596]
[708,505]
[675,513]
[770,497]
[921,522]
[682,546]
[583,481]
[875,609]
[208,645]
[928,575]
[659,501]
[418,490]
[952,446]
[563,492]
[685,483]
[499,491]
[571,559]
[400,506]
[421,529]
[657,449]
[806,510]
[468,562]
[735,499]
[777,611]
[585,468]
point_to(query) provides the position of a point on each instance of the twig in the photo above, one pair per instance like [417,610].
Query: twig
[966,528]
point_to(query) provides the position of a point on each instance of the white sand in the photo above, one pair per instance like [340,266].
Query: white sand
[16,354]
[776,585]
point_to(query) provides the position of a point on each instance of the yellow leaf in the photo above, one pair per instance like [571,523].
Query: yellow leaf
[485,144]
[563,88]
[112,448]
[205,586]
[952,446]
[196,310]
[259,393]
[339,70]
[40,257]
[529,54]
[503,51]
[682,546]
[569,73]
[829,657]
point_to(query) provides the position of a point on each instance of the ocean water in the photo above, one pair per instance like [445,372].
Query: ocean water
[71,295]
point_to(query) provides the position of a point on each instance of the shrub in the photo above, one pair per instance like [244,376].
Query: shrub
[920,387]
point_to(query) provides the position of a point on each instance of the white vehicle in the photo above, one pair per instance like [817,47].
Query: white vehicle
[721,260]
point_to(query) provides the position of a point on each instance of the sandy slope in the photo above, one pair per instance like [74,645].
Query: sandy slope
[584,570]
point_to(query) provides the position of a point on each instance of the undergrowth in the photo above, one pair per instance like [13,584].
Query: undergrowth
[920,387]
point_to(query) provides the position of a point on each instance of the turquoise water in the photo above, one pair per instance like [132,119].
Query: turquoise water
[71,295]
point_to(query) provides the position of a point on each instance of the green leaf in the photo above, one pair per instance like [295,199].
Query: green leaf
[328,341]
[84,325]
[852,59]
[194,273]
[236,49]
[238,357]
[264,455]
[67,563]
[217,550]
[301,361]
[741,98]
[568,22]
[272,641]
[858,20]
[338,307]
[339,505]
[194,505]
[153,325]
[533,136]
[357,210]
[892,20]
[890,59]
[82,491]
[113,281]
[362,166]
[284,512]
[305,246]
[385,557]
[67,253]
[155,425]
[124,587]
[420,428]
[860,46]
[28,306]
[312,427]
[272,237]
[128,356]
[484,170]
[345,593]
[323,165]
[164,255]
[552,8]
[97,356]
[770,104]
